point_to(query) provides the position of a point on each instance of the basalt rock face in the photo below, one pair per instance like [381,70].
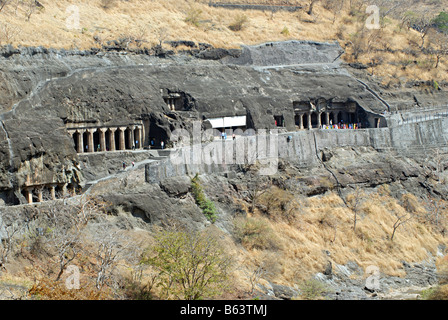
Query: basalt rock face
[42,90]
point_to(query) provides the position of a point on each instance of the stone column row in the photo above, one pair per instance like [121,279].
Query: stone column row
[31,191]
[133,141]
[319,119]
[171,103]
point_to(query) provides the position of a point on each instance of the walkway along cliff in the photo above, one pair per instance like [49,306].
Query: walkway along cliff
[59,107]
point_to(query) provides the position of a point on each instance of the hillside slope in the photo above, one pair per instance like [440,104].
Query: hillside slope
[392,52]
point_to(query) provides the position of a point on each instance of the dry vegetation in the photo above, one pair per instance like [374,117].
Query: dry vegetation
[289,236]
[284,240]
[392,53]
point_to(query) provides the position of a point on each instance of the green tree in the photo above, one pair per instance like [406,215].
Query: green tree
[207,206]
[191,265]
[441,22]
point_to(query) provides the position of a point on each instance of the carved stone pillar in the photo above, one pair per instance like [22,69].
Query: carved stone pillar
[131,137]
[29,195]
[39,194]
[102,132]
[327,118]
[80,141]
[112,139]
[310,126]
[53,191]
[64,189]
[121,144]
[90,139]
[319,120]
[301,121]
[138,138]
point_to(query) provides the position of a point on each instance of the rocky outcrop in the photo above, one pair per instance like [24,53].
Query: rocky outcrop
[44,89]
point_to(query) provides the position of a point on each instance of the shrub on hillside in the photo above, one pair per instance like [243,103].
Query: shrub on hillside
[254,233]
[190,265]
[207,206]
[193,17]
[239,23]
[312,289]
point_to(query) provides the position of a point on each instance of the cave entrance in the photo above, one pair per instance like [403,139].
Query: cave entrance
[158,135]
[96,141]
[352,117]
[137,139]
[76,137]
[107,137]
[279,121]
[314,120]
[85,141]
[117,139]
[332,121]
[305,121]
[323,119]
[128,139]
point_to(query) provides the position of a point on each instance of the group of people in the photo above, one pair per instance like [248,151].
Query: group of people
[153,144]
[342,125]
[124,164]
[224,136]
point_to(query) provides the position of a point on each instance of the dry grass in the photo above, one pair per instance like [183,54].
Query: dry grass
[167,20]
[325,223]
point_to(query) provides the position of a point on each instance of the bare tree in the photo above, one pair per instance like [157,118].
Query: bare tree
[311,4]
[401,220]
[111,246]
[421,22]
[67,243]
[334,6]
[260,187]
[436,212]
[3,4]
[438,45]
[354,202]
[8,33]
[30,6]
[162,35]
[10,228]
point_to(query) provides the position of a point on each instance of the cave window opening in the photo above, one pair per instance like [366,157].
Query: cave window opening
[279,121]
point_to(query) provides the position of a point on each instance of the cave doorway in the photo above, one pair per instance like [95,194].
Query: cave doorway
[85,141]
[323,118]
[117,139]
[314,120]
[76,137]
[332,118]
[96,141]
[128,139]
[107,138]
